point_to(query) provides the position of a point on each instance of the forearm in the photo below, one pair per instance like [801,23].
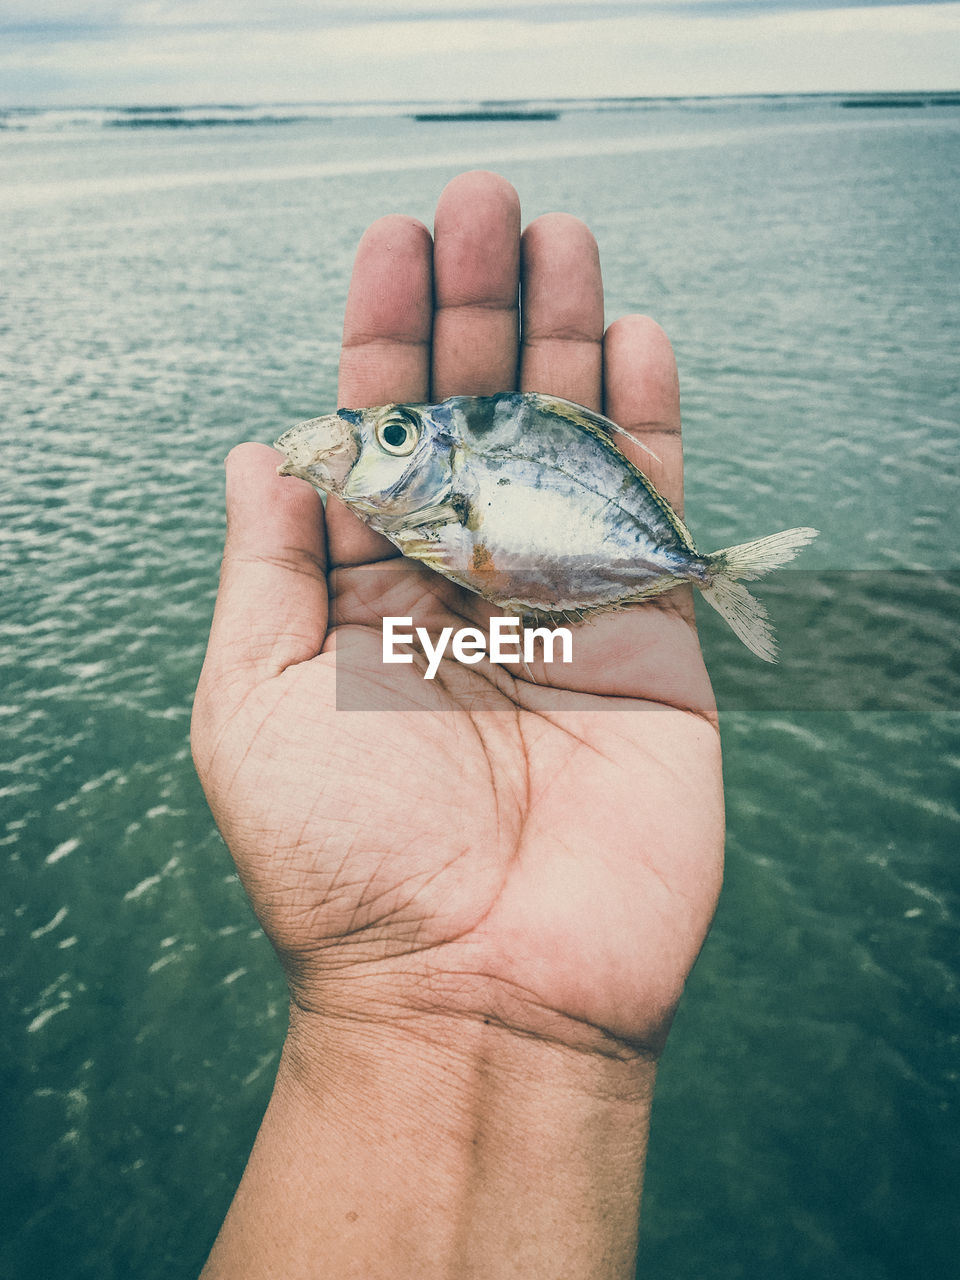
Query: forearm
[468,1152]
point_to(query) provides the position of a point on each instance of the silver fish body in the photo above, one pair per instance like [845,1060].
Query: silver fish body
[526,500]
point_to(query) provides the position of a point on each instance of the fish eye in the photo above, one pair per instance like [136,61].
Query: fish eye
[397,434]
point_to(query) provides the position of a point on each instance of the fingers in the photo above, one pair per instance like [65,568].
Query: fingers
[477,271]
[562,309]
[272,603]
[390,316]
[642,395]
[386,349]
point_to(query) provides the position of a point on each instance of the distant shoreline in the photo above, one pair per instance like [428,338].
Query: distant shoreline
[161,116]
[453,116]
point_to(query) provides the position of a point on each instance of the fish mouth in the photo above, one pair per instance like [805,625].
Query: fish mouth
[321,450]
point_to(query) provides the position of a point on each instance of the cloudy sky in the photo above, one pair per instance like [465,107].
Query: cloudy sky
[194,51]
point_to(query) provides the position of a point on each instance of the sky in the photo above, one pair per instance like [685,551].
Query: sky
[105,52]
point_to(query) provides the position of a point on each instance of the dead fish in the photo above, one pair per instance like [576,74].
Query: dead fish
[526,500]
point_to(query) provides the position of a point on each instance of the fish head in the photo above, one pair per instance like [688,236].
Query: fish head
[381,461]
[321,450]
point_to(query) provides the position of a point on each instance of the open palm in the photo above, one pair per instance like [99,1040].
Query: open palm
[537,849]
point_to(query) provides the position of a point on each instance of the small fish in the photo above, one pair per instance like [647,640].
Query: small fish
[526,500]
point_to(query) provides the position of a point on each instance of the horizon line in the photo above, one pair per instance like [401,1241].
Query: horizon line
[491,102]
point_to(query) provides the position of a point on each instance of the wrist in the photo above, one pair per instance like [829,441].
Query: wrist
[329,1058]
[477,1134]
[460,1149]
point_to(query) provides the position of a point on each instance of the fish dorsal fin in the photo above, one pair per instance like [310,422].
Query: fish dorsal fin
[593,422]
[605,429]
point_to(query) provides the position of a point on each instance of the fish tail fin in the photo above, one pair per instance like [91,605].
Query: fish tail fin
[724,589]
[744,614]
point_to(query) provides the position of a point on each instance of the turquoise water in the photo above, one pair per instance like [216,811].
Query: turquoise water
[169,292]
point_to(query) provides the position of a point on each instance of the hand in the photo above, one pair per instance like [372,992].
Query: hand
[486,890]
[545,859]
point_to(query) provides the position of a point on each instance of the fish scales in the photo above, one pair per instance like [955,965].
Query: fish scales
[545,439]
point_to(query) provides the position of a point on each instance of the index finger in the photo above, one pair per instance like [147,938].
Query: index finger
[386,350]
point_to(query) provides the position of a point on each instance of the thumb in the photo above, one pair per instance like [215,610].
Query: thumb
[271,607]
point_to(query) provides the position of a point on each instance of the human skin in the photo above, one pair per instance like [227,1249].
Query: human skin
[487,890]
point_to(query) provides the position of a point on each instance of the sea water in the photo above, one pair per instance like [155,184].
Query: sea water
[174,286]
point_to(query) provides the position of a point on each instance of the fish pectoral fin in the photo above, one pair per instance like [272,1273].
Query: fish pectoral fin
[418,544]
[425,518]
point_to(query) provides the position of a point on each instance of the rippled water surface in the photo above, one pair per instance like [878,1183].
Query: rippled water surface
[169,293]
